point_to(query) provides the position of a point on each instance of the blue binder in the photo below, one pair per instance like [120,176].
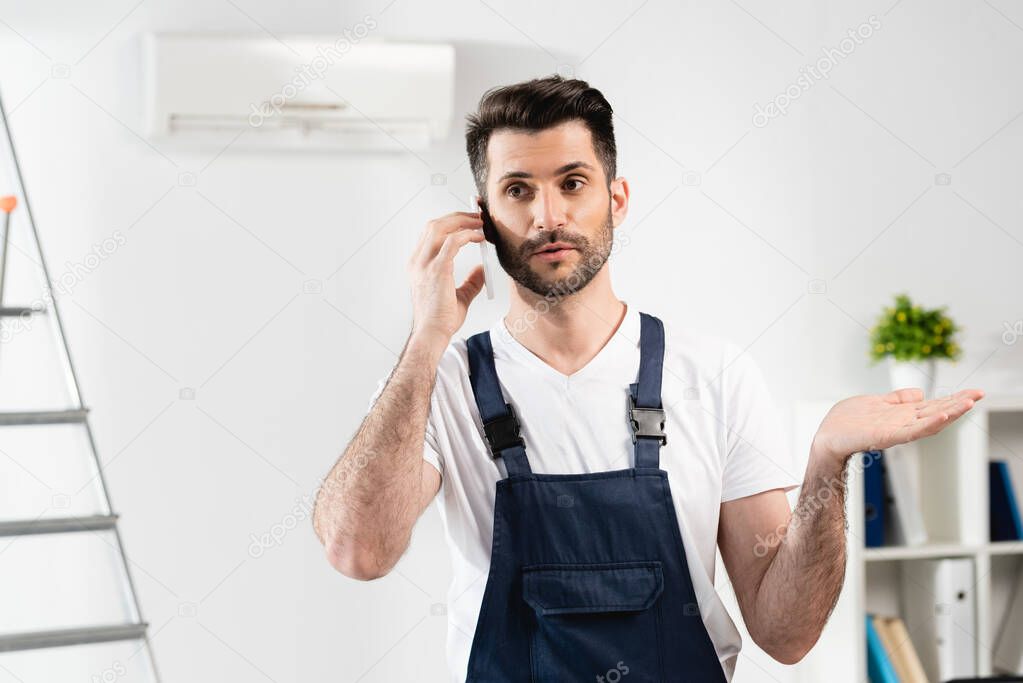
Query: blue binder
[1005,519]
[873,499]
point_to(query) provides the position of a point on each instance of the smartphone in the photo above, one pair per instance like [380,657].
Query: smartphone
[485,254]
[489,231]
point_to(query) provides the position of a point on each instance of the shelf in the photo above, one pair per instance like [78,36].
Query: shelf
[1005,548]
[1001,403]
[933,550]
[917,552]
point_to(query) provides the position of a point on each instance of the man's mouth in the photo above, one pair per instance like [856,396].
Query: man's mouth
[554,251]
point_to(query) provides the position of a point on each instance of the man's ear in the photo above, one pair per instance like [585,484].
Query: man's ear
[619,191]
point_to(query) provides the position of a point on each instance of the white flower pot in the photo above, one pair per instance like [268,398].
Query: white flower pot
[910,374]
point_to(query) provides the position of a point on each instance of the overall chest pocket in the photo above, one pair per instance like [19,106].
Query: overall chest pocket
[595,622]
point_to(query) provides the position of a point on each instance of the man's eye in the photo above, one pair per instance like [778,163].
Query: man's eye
[574,180]
[512,189]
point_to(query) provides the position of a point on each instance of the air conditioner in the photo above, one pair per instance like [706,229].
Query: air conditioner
[315,92]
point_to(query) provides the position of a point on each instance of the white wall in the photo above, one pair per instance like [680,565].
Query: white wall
[737,219]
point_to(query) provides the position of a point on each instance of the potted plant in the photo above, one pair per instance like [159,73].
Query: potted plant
[912,338]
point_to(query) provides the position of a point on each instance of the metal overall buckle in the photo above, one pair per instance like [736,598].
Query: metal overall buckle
[647,422]
[503,432]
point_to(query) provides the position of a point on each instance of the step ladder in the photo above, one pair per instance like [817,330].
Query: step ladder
[38,650]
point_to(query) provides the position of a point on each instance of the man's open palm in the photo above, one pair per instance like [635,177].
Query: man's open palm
[878,421]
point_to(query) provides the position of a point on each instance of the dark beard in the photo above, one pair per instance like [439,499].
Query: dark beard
[592,257]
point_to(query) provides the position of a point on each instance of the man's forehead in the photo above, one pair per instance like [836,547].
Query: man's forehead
[546,152]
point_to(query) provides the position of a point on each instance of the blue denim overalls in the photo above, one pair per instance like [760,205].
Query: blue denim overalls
[588,577]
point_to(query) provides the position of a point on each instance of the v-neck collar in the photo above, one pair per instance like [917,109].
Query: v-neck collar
[625,337]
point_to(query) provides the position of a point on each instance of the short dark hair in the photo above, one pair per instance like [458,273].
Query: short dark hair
[534,106]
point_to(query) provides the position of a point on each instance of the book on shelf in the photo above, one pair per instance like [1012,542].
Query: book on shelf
[895,637]
[879,666]
[1005,518]
[891,657]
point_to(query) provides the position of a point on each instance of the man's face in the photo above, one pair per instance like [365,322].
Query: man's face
[552,211]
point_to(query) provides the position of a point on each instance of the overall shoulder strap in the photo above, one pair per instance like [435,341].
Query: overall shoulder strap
[646,416]
[499,421]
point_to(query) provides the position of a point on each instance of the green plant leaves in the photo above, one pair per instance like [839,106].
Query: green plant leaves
[906,331]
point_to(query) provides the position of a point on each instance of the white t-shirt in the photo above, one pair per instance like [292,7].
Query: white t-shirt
[724,442]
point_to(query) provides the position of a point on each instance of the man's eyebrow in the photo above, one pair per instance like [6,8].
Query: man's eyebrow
[564,169]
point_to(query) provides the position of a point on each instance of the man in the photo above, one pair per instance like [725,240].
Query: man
[592,457]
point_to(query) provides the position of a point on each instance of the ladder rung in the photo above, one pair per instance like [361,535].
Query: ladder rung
[71,636]
[57,525]
[43,417]
[17,311]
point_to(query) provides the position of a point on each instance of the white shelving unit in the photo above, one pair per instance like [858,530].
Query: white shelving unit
[953,490]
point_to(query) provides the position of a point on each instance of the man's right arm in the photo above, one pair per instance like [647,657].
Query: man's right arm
[369,502]
[372,497]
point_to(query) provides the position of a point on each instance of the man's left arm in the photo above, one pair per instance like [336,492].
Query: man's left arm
[787,568]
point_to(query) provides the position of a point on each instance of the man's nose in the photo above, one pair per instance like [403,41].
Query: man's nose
[549,211]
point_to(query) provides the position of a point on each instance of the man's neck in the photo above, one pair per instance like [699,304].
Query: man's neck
[566,331]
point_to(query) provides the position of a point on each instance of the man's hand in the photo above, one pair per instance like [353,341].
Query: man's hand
[438,307]
[878,421]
